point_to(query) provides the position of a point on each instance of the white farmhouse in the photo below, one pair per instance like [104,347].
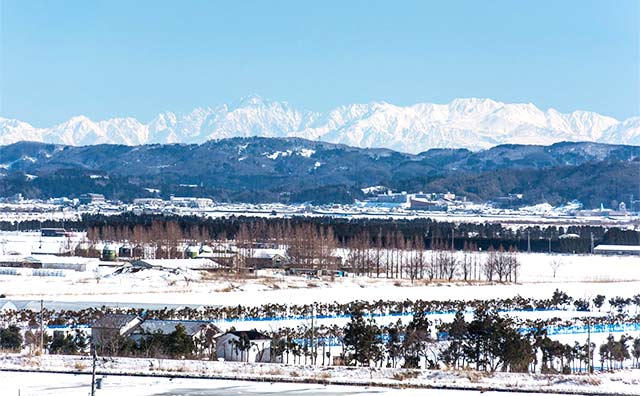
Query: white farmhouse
[245,346]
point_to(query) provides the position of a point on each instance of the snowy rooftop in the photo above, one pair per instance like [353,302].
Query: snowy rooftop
[269,253]
[168,326]
[52,259]
[620,248]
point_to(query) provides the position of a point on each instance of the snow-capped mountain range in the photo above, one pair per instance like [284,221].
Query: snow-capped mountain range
[463,123]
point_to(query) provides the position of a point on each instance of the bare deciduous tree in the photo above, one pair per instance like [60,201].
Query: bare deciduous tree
[555,265]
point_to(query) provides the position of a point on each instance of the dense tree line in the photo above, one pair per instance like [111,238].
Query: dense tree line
[488,341]
[346,231]
[10,337]
[558,301]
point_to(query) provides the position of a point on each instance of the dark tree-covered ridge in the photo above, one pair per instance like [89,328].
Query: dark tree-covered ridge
[298,170]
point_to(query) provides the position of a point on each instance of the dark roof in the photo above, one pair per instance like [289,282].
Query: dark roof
[118,321]
[113,321]
[250,334]
[169,326]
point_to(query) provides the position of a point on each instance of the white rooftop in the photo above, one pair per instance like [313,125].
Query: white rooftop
[51,259]
[622,248]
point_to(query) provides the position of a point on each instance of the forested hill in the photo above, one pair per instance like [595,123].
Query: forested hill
[261,169]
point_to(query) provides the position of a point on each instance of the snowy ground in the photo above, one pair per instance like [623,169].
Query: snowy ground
[42,384]
[620,383]
[581,276]
[181,292]
[26,243]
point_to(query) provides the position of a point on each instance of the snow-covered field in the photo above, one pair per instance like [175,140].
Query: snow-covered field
[230,375]
[44,384]
[593,273]
[26,243]
[255,293]
[579,275]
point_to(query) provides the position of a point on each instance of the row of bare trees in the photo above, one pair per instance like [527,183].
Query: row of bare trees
[314,246]
[307,246]
[408,259]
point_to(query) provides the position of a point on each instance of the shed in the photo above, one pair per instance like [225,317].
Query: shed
[49,261]
[618,249]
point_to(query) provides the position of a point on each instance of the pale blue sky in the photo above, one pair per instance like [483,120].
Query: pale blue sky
[138,58]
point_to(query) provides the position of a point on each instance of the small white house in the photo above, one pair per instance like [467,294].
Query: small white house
[245,346]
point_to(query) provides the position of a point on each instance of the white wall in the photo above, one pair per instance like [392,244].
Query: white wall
[260,350]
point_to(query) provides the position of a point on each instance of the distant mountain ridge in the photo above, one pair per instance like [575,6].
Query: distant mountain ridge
[470,123]
[268,169]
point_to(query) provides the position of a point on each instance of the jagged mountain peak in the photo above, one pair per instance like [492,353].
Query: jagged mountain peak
[473,105]
[472,123]
[252,100]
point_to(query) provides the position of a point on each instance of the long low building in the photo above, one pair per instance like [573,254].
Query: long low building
[50,262]
[617,249]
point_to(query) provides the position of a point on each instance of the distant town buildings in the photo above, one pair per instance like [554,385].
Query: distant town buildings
[90,198]
[390,197]
[509,200]
[148,201]
[186,202]
[432,202]
[191,202]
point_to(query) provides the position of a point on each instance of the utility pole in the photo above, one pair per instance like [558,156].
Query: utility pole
[93,369]
[589,345]
[528,241]
[591,242]
[286,348]
[549,245]
[314,356]
[41,327]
